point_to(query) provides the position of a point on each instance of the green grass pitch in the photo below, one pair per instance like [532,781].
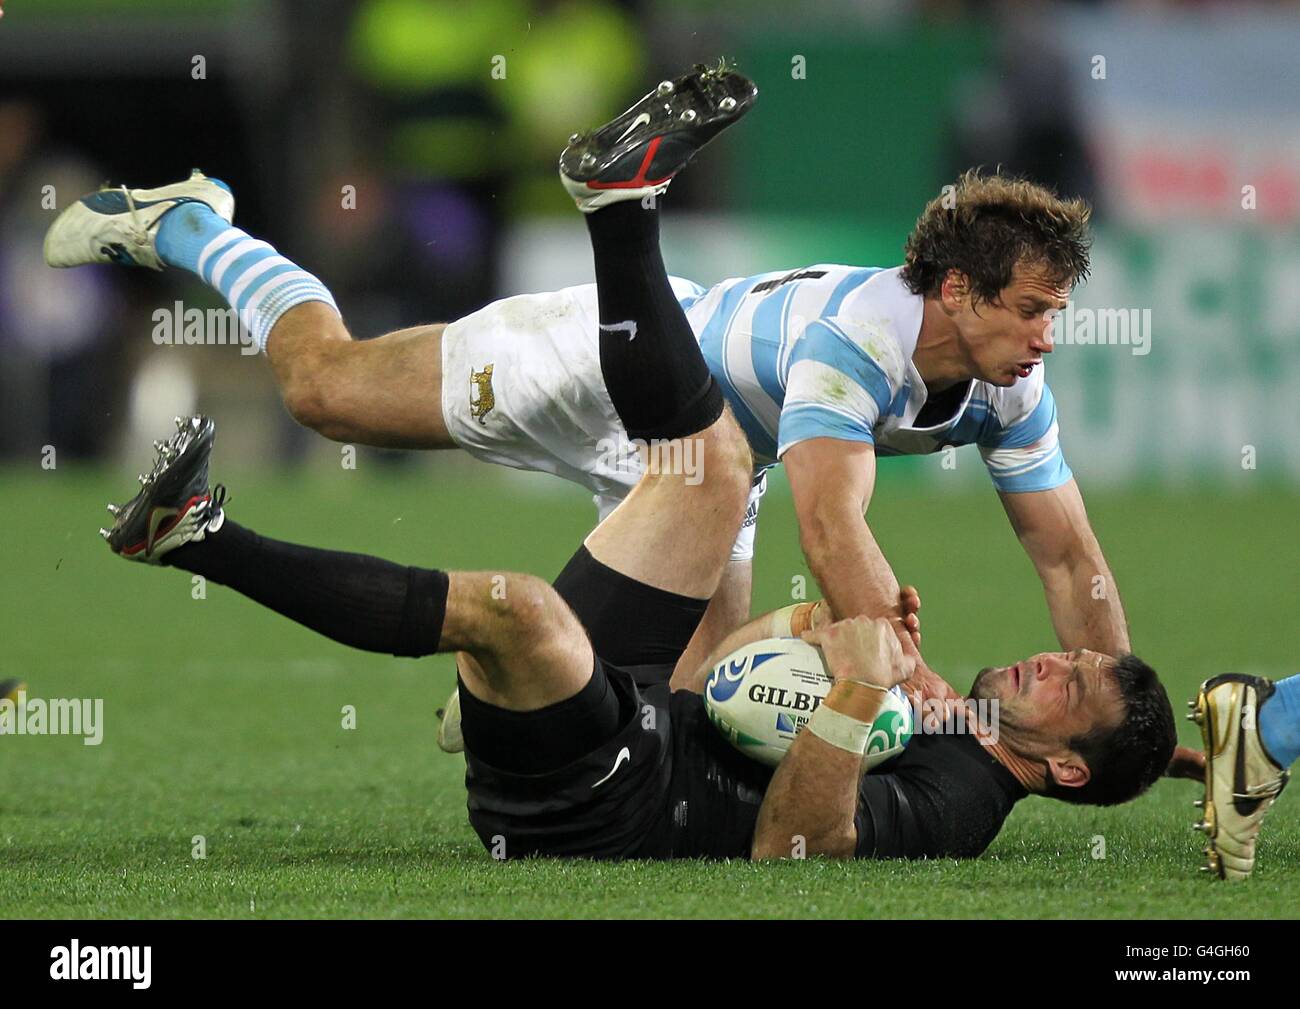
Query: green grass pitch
[225,721]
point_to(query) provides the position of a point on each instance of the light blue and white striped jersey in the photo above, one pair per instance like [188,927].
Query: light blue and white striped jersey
[826,352]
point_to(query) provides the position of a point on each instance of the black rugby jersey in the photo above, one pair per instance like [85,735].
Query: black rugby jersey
[944,796]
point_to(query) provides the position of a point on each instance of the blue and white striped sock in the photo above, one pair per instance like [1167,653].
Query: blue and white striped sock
[1279,722]
[259,283]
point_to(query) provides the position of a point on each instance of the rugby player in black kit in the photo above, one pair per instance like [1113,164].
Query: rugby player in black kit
[575,743]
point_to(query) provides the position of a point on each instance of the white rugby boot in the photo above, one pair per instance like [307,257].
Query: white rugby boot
[121,225]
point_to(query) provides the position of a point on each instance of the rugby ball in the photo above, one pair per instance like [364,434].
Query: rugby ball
[760,697]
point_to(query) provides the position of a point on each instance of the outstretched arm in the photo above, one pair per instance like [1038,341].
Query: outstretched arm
[1081,593]
[832,482]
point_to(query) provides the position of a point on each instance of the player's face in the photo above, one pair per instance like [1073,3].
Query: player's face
[1006,339]
[1046,700]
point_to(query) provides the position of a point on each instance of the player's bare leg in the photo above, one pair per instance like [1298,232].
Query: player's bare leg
[671,532]
[675,533]
[728,610]
[386,391]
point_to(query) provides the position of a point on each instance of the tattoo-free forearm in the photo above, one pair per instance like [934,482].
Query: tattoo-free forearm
[810,804]
[789,621]
[1054,529]
[1085,605]
[854,576]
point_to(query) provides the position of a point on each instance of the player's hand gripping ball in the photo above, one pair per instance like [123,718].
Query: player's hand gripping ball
[760,696]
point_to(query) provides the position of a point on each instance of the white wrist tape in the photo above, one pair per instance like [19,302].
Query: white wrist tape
[792,621]
[844,731]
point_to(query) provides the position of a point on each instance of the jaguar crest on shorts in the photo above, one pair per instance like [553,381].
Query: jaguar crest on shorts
[481,398]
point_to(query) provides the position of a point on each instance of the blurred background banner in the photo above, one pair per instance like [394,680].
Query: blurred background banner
[1193,119]
[1183,108]
[404,151]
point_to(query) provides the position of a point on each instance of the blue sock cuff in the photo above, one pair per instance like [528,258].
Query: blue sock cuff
[184,231]
[1279,722]
[256,281]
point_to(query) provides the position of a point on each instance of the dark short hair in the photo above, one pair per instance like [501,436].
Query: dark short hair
[1126,759]
[987,225]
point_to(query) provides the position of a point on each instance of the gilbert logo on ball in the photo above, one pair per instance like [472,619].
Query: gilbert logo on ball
[761,696]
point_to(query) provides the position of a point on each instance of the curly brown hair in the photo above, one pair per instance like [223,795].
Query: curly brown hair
[987,225]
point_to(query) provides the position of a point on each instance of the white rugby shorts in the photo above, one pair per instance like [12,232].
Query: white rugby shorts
[522,387]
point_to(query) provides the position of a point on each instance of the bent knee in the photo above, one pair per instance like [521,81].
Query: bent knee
[309,394]
[525,604]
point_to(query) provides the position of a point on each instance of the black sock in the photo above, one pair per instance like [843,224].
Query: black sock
[657,379]
[360,601]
